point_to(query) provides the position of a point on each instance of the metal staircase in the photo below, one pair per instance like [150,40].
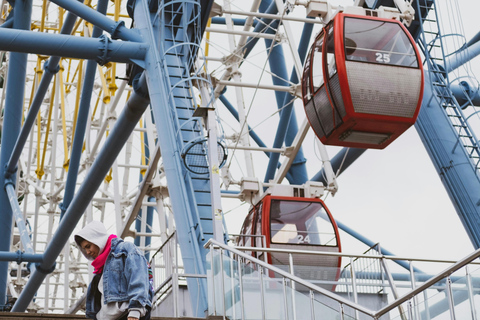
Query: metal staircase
[176,33]
[431,43]
[179,54]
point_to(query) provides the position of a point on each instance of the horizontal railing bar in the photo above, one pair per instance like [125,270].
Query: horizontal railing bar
[348,255]
[467,260]
[287,275]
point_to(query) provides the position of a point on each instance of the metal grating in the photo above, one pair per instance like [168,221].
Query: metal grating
[384,90]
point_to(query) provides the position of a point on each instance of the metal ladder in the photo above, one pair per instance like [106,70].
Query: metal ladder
[180,43]
[431,44]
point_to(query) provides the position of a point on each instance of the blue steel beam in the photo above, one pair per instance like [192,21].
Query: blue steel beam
[20,222]
[120,133]
[82,119]
[9,21]
[116,29]
[287,126]
[252,133]
[262,26]
[372,244]
[20,257]
[51,68]
[461,57]
[70,46]
[12,118]
[341,161]
[193,253]
[236,21]
[288,123]
[466,94]
[475,39]
[451,162]
[141,212]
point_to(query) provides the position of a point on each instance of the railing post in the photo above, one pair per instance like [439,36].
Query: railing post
[222,284]
[262,292]
[232,283]
[213,282]
[354,285]
[410,311]
[427,307]
[285,299]
[392,286]
[264,241]
[240,280]
[414,285]
[312,308]
[470,293]
[342,312]
[175,294]
[294,307]
[451,303]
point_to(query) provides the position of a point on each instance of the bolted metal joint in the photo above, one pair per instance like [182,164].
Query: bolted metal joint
[9,173]
[51,70]
[45,271]
[102,60]
[115,29]
[19,258]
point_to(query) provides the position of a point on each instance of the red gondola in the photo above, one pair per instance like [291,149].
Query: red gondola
[362,82]
[293,223]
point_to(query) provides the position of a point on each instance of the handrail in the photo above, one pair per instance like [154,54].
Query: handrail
[325,292]
[349,255]
[375,315]
[163,245]
[429,283]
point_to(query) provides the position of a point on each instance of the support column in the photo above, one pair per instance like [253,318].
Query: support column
[11,128]
[83,113]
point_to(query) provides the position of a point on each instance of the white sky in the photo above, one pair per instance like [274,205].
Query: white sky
[394,196]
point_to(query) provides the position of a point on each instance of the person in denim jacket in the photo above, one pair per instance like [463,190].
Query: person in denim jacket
[121,287]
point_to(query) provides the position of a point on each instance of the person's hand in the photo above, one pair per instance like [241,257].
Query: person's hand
[132,318]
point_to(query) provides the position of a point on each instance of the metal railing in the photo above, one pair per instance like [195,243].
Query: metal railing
[233,275]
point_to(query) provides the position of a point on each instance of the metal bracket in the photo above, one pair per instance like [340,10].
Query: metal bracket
[45,271]
[52,71]
[9,173]
[104,58]
[115,29]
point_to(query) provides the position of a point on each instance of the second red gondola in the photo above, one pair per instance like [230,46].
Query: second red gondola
[295,223]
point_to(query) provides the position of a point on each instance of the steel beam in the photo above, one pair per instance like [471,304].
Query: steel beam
[124,126]
[51,68]
[12,119]
[451,162]
[82,118]
[287,126]
[71,46]
[117,29]
[162,103]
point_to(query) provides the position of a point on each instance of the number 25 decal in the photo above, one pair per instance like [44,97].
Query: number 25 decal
[382,57]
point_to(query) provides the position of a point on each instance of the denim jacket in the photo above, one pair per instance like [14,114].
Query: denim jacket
[125,278]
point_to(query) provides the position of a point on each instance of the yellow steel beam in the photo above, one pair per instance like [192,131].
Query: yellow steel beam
[64,120]
[47,131]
